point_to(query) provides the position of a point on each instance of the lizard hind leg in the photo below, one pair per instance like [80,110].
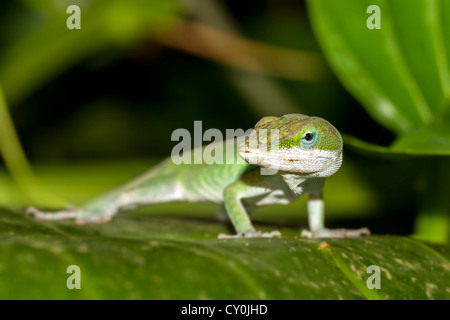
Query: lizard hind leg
[99,210]
[158,185]
[80,215]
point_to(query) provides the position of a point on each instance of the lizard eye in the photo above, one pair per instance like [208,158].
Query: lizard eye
[308,139]
[309,136]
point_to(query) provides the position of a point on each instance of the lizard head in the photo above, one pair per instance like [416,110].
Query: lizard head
[295,143]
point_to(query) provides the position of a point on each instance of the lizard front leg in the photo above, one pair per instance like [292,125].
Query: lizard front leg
[316,220]
[233,195]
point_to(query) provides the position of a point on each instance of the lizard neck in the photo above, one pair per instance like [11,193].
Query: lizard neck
[300,184]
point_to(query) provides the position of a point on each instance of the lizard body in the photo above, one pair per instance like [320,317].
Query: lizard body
[306,151]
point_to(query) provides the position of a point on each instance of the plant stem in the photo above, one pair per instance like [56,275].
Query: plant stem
[433,222]
[16,161]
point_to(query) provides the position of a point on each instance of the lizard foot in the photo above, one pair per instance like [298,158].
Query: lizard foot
[251,234]
[68,213]
[336,233]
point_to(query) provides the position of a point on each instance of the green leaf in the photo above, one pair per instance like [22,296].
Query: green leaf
[430,139]
[409,146]
[148,257]
[400,73]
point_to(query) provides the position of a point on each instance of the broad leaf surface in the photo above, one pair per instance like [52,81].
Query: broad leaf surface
[137,256]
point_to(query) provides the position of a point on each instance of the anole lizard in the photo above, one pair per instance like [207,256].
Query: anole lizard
[308,150]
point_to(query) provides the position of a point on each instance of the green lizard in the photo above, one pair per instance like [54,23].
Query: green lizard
[306,151]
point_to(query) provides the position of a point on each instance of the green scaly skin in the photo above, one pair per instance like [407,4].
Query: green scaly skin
[305,152]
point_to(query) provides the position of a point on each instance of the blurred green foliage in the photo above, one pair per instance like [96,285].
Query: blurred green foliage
[401,75]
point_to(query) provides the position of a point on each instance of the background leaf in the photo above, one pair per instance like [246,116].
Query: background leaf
[400,74]
[405,93]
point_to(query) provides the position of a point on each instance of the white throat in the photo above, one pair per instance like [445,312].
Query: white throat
[299,184]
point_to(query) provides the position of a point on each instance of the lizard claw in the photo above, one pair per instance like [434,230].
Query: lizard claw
[251,234]
[272,234]
[336,233]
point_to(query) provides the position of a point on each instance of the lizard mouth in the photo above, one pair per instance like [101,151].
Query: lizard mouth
[291,155]
[308,162]
[289,159]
